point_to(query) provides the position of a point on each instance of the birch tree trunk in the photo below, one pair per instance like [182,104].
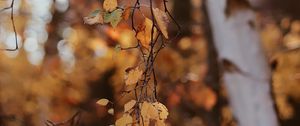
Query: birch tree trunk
[237,40]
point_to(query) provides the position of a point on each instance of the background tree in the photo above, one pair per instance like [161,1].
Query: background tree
[246,72]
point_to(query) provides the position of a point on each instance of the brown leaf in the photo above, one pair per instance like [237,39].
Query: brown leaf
[162,21]
[144,33]
[126,13]
[110,5]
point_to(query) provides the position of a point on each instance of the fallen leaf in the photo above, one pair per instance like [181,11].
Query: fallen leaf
[128,106]
[110,5]
[162,21]
[144,33]
[125,120]
[102,102]
[95,17]
[132,76]
[113,18]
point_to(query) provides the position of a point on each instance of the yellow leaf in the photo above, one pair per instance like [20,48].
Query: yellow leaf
[129,88]
[110,5]
[160,123]
[133,76]
[162,21]
[128,106]
[144,33]
[103,102]
[149,111]
[125,120]
[111,111]
[163,111]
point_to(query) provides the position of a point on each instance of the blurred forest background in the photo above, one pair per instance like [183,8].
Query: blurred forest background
[64,66]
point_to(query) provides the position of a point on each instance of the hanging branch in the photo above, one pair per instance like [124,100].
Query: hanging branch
[152,37]
[149,72]
[11,7]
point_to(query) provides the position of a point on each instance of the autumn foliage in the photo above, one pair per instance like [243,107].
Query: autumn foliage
[141,79]
[127,62]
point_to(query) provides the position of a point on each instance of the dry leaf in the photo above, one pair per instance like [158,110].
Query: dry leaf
[126,13]
[110,5]
[129,88]
[95,17]
[154,111]
[144,122]
[163,111]
[102,102]
[149,111]
[160,123]
[125,120]
[128,106]
[111,111]
[133,76]
[144,33]
[162,21]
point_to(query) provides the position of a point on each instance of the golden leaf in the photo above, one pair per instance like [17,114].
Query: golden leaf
[133,76]
[144,33]
[125,120]
[110,5]
[149,111]
[102,102]
[163,111]
[129,105]
[160,123]
[162,21]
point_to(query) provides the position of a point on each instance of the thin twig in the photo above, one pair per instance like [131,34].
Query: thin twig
[173,19]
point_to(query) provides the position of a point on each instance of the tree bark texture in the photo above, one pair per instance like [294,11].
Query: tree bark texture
[237,41]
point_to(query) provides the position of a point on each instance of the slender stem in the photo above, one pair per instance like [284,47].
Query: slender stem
[132,15]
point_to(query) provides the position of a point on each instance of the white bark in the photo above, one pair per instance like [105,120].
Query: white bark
[238,42]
